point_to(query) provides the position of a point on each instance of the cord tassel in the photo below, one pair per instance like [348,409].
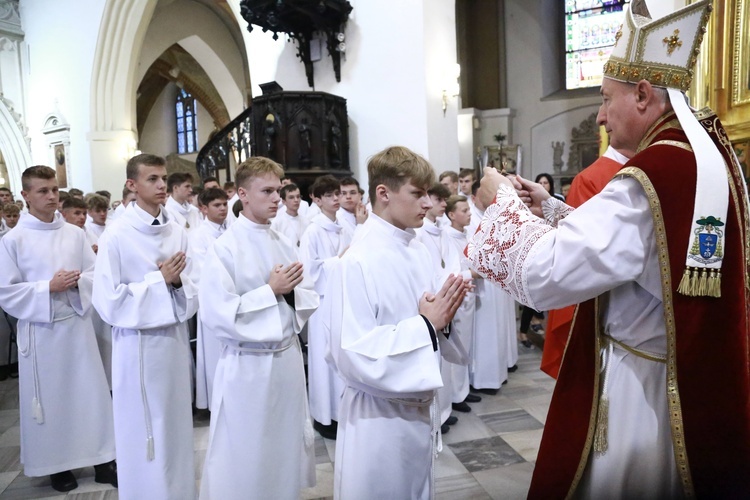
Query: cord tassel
[602,426]
[684,287]
[36,410]
[150,455]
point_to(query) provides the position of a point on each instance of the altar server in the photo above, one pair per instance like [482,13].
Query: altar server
[386,339]
[255,301]
[143,289]
[322,245]
[65,412]
[290,222]
[213,207]
[180,188]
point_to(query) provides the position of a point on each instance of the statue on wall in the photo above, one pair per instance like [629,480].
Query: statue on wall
[305,143]
[557,152]
[269,133]
[334,144]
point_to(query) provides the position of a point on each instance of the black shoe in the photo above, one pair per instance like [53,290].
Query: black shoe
[472,398]
[106,473]
[512,368]
[450,420]
[327,431]
[489,392]
[64,481]
[462,407]
[526,344]
[444,429]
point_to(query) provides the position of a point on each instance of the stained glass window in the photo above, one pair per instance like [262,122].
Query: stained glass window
[187,123]
[590,28]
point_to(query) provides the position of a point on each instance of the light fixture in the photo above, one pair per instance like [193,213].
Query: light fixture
[452,87]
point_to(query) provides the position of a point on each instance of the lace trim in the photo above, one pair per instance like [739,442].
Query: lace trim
[503,241]
[555,210]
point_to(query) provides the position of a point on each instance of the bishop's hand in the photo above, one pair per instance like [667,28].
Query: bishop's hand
[440,308]
[284,279]
[491,181]
[532,194]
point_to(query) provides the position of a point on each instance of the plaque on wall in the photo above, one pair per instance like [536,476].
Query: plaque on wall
[60,166]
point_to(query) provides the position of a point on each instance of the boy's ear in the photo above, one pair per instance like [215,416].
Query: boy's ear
[130,184]
[381,192]
[317,201]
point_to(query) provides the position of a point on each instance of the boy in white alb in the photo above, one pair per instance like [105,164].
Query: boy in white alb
[289,221]
[127,198]
[254,300]
[180,189]
[213,206]
[353,212]
[98,209]
[143,289]
[46,279]
[386,339]
[322,245]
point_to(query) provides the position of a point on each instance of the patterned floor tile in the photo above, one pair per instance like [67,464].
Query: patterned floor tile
[487,453]
[459,488]
[506,483]
[510,421]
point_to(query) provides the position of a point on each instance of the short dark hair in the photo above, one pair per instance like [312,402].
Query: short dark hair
[7,190]
[177,178]
[210,179]
[75,192]
[211,194]
[105,193]
[36,172]
[449,173]
[97,202]
[325,184]
[229,185]
[237,208]
[288,189]
[349,181]
[131,170]
[475,187]
[466,172]
[439,191]
[74,202]
[62,196]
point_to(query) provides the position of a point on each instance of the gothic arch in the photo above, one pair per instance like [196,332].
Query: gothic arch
[13,145]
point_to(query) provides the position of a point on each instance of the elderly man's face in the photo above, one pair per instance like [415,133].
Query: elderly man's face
[620,116]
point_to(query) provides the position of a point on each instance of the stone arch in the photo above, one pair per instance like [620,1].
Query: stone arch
[13,144]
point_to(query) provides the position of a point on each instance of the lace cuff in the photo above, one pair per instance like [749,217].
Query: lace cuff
[502,243]
[555,210]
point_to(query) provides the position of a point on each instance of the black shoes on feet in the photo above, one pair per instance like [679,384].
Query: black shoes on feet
[64,481]
[106,473]
[444,429]
[490,392]
[327,431]
[472,398]
[512,368]
[450,420]
[462,407]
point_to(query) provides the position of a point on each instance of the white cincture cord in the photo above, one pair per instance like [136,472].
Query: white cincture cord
[150,454]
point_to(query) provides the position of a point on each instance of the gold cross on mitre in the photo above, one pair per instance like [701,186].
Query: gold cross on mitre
[672,42]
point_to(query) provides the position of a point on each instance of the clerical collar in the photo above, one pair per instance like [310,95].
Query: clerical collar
[430,227]
[247,223]
[217,227]
[403,235]
[29,221]
[455,233]
[147,217]
[323,221]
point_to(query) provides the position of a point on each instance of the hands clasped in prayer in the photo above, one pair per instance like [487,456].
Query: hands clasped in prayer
[284,279]
[172,267]
[64,280]
[440,308]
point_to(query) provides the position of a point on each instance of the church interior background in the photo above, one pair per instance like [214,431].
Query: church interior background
[84,84]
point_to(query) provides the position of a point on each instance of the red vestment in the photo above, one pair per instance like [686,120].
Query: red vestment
[587,184]
[708,339]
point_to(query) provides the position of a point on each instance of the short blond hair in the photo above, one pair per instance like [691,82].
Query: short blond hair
[394,167]
[256,166]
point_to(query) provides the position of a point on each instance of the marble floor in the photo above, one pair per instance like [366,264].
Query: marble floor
[489,453]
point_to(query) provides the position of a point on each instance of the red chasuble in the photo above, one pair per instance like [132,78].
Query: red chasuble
[708,346]
[587,184]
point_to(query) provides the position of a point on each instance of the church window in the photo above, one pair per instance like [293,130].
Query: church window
[187,123]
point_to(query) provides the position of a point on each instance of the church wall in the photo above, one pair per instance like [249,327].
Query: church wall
[61,37]
[384,77]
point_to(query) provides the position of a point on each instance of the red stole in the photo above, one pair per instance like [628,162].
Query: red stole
[708,341]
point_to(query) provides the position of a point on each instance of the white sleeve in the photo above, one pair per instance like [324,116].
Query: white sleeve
[24,300]
[599,246]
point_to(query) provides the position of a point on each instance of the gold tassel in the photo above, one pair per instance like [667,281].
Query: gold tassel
[602,426]
[684,287]
[703,284]
[717,285]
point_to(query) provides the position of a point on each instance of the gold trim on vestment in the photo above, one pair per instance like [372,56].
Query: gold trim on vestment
[677,144]
[650,356]
[655,130]
[595,401]
[673,393]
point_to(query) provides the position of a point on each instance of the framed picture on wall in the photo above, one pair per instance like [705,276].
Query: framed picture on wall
[61,166]
[509,157]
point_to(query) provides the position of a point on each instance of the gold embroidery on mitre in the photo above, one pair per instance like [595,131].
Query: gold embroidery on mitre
[618,35]
[673,42]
